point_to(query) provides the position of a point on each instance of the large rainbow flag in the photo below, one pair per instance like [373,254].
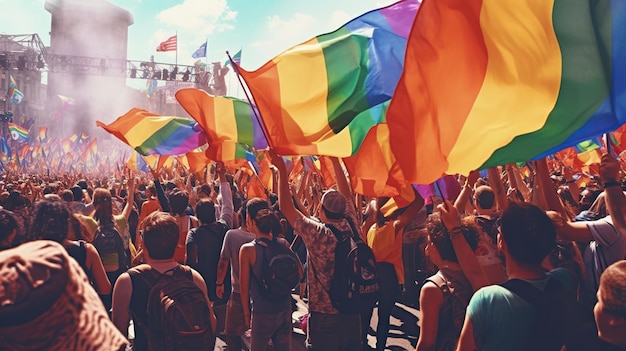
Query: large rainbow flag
[321,97]
[488,82]
[149,133]
[229,123]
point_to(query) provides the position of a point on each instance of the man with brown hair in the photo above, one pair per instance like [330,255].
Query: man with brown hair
[132,290]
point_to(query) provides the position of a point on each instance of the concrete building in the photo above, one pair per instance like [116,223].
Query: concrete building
[87,60]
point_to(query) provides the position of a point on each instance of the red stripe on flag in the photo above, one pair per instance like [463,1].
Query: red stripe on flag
[169,45]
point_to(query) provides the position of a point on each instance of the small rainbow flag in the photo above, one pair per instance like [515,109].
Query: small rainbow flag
[43,133]
[17,132]
[149,133]
[136,162]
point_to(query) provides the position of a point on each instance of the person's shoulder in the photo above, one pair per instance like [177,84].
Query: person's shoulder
[492,293]
[283,242]
[566,277]
[248,246]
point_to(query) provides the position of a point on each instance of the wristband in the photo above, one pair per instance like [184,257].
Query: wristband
[611,183]
[454,232]
[216,283]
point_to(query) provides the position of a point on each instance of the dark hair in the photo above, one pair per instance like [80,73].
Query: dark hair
[179,200]
[8,224]
[254,205]
[440,237]
[151,189]
[205,211]
[268,222]
[528,232]
[50,221]
[67,195]
[160,235]
[485,198]
[82,184]
[77,192]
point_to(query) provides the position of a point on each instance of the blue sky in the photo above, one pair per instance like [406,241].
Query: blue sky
[261,28]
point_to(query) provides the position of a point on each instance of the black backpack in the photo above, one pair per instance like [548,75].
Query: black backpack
[281,270]
[110,246]
[354,286]
[178,313]
[559,317]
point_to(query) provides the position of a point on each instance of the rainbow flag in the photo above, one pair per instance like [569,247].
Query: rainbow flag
[229,123]
[91,151]
[374,170]
[588,145]
[66,102]
[136,162]
[17,132]
[311,95]
[5,150]
[43,133]
[470,97]
[195,160]
[149,133]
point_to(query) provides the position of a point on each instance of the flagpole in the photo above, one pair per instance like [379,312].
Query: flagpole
[176,63]
[254,110]
[241,48]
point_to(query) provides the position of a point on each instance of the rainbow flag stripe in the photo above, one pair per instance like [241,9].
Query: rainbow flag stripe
[492,82]
[149,133]
[18,132]
[229,123]
[310,94]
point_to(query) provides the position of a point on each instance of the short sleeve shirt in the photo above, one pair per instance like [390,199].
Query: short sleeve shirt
[502,319]
[608,246]
[235,238]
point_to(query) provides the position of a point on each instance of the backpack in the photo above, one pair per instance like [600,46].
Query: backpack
[451,312]
[490,226]
[559,314]
[281,270]
[110,246]
[354,286]
[178,313]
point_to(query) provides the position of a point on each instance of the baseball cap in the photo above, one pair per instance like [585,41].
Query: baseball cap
[334,202]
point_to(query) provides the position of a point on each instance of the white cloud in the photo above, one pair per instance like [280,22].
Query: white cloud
[285,33]
[338,19]
[197,15]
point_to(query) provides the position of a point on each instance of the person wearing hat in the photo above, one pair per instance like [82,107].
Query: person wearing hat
[328,329]
[47,303]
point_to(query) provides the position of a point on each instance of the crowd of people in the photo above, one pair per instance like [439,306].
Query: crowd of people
[517,261]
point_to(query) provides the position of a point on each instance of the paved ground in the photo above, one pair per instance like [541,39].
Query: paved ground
[403,332]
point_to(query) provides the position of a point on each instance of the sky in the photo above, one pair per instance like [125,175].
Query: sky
[261,28]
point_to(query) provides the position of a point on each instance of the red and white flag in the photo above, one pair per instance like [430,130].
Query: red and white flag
[169,45]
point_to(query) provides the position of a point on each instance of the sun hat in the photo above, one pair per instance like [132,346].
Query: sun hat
[47,303]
